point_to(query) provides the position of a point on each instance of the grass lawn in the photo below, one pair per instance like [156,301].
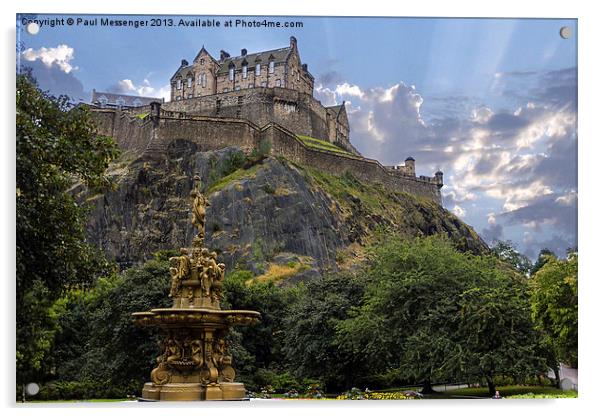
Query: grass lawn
[78,401]
[509,391]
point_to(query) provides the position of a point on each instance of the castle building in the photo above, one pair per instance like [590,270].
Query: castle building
[245,101]
[262,87]
[274,68]
[113,100]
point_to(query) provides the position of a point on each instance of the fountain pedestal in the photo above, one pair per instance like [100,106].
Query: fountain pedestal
[194,363]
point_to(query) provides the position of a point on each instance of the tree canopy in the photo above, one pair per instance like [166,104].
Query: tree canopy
[554,304]
[432,313]
[56,147]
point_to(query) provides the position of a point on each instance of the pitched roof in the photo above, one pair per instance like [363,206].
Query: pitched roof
[182,71]
[279,55]
[335,109]
[128,100]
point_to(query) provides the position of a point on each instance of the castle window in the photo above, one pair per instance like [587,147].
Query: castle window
[189,82]
[202,61]
[271,67]
[178,98]
[189,95]
[258,69]
[120,102]
[179,84]
[278,83]
[103,101]
[237,88]
[251,86]
[244,71]
[225,89]
[264,84]
[203,80]
[231,74]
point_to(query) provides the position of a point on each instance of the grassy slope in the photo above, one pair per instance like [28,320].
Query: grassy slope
[321,144]
[509,391]
[406,213]
[238,174]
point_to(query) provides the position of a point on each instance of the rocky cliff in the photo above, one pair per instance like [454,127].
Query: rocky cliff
[283,221]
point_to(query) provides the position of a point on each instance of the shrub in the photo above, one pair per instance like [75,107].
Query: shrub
[86,390]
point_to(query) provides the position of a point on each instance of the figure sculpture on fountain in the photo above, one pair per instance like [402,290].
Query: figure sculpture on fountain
[194,363]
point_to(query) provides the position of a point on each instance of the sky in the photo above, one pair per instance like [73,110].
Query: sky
[490,102]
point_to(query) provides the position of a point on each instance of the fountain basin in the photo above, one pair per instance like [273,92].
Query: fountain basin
[195,318]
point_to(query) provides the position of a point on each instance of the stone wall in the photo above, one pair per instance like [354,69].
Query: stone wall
[285,144]
[131,133]
[153,137]
[296,111]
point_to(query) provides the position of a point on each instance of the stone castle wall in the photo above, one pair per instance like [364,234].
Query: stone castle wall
[153,137]
[131,133]
[294,110]
[367,170]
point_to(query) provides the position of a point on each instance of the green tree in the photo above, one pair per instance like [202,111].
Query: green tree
[542,258]
[497,333]
[310,343]
[506,252]
[97,343]
[56,146]
[432,313]
[554,306]
[257,349]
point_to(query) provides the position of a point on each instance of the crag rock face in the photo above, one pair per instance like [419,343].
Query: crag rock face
[267,215]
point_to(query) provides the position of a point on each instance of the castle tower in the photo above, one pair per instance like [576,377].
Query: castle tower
[439,179]
[410,165]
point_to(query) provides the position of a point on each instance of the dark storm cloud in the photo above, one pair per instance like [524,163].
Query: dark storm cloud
[492,233]
[330,78]
[486,163]
[561,211]
[559,167]
[558,244]
[506,122]
[57,82]
[557,87]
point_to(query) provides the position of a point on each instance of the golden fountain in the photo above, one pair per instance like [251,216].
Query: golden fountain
[194,363]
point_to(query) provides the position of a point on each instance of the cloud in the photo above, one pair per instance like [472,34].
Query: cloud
[492,233]
[61,56]
[559,211]
[145,89]
[516,165]
[325,95]
[56,81]
[386,121]
[459,211]
[555,87]
[330,78]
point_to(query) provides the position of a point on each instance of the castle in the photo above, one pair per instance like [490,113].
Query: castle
[261,87]
[244,100]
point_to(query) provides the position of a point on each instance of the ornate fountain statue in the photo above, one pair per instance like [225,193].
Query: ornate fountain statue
[194,363]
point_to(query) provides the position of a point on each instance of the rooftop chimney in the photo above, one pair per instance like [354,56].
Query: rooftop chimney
[293,42]
[304,67]
[184,62]
[243,52]
[223,55]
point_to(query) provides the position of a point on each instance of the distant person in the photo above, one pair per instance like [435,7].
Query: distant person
[497,395]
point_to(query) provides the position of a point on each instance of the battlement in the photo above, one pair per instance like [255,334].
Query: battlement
[295,110]
[153,131]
